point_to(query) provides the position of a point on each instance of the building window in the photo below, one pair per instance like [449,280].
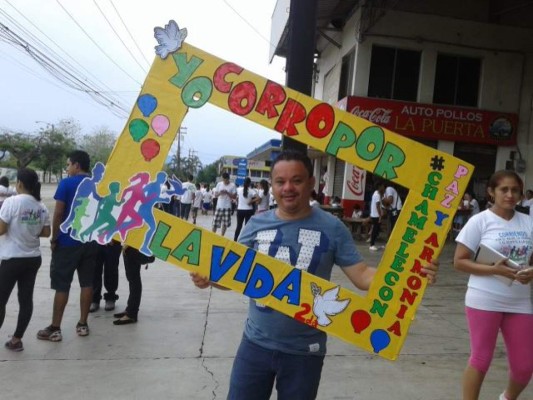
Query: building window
[394,73]
[347,71]
[457,80]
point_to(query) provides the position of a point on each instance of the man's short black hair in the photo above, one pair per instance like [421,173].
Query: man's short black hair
[225,175]
[82,158]
[294,155]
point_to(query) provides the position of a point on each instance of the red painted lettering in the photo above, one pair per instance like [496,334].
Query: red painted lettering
[292,114]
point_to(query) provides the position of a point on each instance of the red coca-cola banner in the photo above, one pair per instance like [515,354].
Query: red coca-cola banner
[435,122]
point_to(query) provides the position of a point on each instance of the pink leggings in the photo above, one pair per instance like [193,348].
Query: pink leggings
[517,331]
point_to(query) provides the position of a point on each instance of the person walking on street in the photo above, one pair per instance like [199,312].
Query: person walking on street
[23,220]
[187,198]
[376,213]
[107,262]
[264,196]
[275,347]
[225,192]
[68,254]
[498,297]
[197,203]
[393,205]
[246,196]
[133,261]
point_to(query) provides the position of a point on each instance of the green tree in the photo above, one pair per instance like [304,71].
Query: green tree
[99,144]
[23,147]
[57,142]
[208,174]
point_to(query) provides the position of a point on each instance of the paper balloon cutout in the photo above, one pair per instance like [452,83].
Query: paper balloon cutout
[150,149]
[379,339]
[138,129]
[160,124]
[147,104]
[360,320]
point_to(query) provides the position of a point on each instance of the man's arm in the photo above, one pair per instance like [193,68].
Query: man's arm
[3,228]
[45,232]
[59,211]
[362,275]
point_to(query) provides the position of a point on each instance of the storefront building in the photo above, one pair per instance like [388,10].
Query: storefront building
[454,75]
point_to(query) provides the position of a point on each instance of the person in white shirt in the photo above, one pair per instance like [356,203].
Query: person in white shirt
[187,198]
[207,198]
[393,205]
[264,196]
[376,213]
[224,191]
[246,197]
[197,203]
[23,220]
[492,305]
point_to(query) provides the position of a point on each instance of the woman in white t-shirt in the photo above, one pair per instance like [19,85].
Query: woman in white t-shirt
[498,296]
[264,196]
[246,197]
[23,219]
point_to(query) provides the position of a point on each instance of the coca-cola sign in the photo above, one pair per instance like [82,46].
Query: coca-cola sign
[435,122]
[378,115]
[355,184]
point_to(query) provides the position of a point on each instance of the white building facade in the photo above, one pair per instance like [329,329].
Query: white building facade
[454,75]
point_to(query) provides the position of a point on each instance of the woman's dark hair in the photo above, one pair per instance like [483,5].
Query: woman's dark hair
[4,181]
[29,179]
[264,186]
[497,177]
[246,186]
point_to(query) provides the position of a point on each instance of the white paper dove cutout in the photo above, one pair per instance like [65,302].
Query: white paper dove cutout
[326,304]
[169,38]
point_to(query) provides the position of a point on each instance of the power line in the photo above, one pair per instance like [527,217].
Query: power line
[47,48]
[96,44]
[58,71]
[129,33]
[118,36]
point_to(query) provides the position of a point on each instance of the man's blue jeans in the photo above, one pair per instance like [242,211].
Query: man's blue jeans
[255,369]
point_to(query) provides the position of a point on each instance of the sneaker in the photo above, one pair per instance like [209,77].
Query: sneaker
[502,396]
[109,305]
[94,307]
[373,248]
[50,333]
[14,346]
[82,329]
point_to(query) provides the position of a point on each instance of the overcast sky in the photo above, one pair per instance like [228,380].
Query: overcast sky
[82,33]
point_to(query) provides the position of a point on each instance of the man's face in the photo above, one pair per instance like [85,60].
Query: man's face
[71,168]
[292,186]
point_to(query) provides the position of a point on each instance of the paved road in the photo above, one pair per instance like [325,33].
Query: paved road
[184,343]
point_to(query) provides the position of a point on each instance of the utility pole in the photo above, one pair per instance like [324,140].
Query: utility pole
[300,54]
[182,131]
[193,157]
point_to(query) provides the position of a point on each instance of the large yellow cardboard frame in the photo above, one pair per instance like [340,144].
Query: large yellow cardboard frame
[189,78]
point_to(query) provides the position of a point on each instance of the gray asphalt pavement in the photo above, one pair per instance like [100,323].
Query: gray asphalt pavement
[185,340]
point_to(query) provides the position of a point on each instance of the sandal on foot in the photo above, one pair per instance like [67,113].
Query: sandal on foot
[120,314]
[125,320]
